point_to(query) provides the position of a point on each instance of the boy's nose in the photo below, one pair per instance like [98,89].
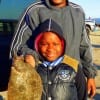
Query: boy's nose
[50,47]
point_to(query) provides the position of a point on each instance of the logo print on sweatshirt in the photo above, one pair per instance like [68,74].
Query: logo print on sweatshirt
[64,75]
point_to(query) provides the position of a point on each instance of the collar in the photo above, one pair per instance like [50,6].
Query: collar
[54,63]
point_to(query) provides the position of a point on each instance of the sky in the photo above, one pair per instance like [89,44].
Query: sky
[91,7]
[11,9]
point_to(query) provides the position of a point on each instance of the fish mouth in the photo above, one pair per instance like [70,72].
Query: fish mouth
[17,69]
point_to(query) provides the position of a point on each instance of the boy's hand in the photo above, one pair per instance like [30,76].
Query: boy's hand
[91,86]
[30,59]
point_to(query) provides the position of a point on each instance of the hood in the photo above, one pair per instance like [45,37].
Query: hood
[48,26]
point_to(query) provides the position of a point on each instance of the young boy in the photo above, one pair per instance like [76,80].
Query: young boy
[61,75]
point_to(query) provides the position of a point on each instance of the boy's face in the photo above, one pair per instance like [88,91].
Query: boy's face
[50,46]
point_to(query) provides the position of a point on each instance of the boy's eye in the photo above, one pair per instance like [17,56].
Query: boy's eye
[43,44]
[46,44]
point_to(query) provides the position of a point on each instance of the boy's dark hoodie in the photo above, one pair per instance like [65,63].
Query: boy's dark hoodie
[49,26]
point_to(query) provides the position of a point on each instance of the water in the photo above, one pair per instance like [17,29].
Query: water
[97,20]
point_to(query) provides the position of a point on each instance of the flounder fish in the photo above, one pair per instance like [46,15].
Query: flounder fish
[24,83]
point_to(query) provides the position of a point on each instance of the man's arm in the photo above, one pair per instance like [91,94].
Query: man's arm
[22,34]
[87,63]
[86,56]
[22,40]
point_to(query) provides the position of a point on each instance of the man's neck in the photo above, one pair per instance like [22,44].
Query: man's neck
[60,5]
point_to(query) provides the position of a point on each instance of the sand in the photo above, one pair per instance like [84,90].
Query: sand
[95,40]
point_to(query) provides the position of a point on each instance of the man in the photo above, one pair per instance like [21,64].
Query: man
[71,19]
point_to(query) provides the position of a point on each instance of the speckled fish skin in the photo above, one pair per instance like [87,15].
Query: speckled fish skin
[24,83]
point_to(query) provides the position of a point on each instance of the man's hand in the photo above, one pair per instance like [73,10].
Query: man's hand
[30,59]
[91,86]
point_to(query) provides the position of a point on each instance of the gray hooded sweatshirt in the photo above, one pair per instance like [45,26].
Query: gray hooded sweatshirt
[71,20]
